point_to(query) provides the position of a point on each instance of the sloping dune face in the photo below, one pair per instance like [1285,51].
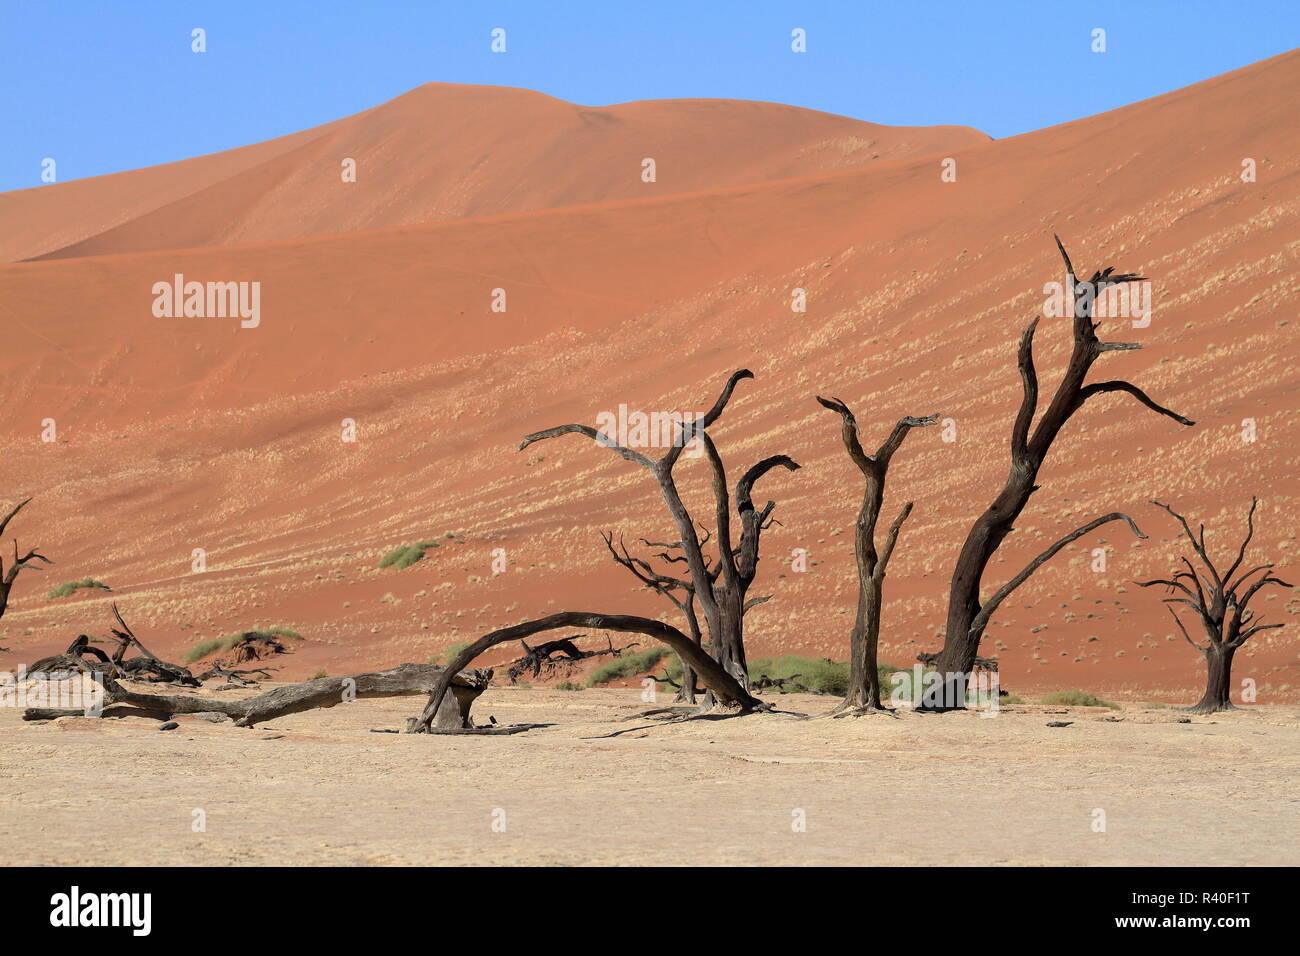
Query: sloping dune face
[446,152]
[177,434]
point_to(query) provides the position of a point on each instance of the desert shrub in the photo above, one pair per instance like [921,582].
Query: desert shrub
[406,555]
[827,677]
[568,685]
[320,672]
[63,590]
[211,645]
[1078,698]
[627,665]
[672,668]
[227,641]
[448,654]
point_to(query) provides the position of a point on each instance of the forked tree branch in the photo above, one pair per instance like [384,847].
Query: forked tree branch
[991,605]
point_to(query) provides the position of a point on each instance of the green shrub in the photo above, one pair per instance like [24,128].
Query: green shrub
[568,685]
[449,654]
[627,665]
[406,555]
[672,669]
[227,641]
[827,677]
[1077,698]
[63,590]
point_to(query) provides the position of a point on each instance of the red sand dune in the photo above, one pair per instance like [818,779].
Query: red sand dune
[446,152]
[178,434]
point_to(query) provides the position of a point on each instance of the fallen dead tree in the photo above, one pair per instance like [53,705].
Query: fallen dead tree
[403,680]
[781,683]
[145,665]
[554,656]
[73,661]
[253,644]
[730,693]
[237,677]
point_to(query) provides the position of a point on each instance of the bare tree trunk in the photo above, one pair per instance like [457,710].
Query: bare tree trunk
[403,680]
[721,588]
[1218,682]
[967,615]
[864,643]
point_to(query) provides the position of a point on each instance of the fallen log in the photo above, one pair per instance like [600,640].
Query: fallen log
[235,677]
[552,656]
[72,661]
[246,648]
[781,683]
[400,681]
[145,666]
[730,694]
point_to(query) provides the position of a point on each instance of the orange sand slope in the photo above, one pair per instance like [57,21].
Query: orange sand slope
[446,152]
[176,434]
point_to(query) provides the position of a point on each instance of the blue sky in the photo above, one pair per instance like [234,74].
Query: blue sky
[105,86]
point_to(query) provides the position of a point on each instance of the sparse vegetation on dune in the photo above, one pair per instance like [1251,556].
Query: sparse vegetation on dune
[447,654]
[628,665]
[406,555]
[71,587]
[227,641]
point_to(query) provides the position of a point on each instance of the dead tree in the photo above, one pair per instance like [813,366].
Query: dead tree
[247,647]
[1220,605]
[864,672]
[8,576]
[781,683]
[236,677]
[968,612]
[73,661]
[729,692]
[667,586]
[552,656]
[721,590]
[145,666]
[401,681]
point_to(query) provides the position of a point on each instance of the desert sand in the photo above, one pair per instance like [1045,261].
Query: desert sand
[600,785]
[177,434]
